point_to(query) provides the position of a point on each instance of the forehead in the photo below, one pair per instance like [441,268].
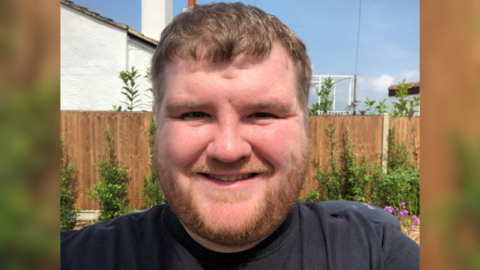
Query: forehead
[270,73]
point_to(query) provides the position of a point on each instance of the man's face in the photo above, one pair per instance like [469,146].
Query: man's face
[231,145]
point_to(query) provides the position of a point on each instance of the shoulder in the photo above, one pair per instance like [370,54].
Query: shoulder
[361,232]
[120,239]
[353,214]
[124,224]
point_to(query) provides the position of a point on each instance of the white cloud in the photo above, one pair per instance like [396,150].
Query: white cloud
[382,83]
[410,76]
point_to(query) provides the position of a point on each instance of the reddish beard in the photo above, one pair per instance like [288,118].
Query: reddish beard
[269,214]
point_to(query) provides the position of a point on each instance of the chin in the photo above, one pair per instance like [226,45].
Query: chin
[231,213]
[234,217]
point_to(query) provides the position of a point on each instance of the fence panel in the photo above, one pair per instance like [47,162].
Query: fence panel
[365,133]
[83,134]
[404,128]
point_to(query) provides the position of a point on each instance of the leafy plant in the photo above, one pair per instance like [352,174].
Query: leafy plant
[402,181]
[401,185]
[405,106]
[67,208]
[414,144]
[314,110]
[398,154]
[131,92]
[152,192]
[403,217]
[313,196]
[330,178]
[379,109]
[356,177]
[111,189]
[326,100]
[117,108]
[150,89]
[366,182]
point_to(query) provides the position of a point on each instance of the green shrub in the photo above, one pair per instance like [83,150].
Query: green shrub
[398,154]
[326,100]
[130,88]
[379,109]
[404,106]
[152,192]
[356,177]
[111,189]
[398,186]
[67,208]
[330,179]
[366,182]
[313,196]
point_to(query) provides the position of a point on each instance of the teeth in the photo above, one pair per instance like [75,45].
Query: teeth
[230,178]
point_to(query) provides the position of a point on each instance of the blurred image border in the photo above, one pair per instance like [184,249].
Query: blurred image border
[29,134]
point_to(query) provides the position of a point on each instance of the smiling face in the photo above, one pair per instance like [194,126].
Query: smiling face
[231,145]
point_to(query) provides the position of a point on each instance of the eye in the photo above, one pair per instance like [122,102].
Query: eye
[194,115]
[262,115]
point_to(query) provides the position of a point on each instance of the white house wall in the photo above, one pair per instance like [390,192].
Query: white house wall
[140,56]
[92,55]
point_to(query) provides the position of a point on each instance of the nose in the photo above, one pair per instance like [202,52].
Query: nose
[228,144]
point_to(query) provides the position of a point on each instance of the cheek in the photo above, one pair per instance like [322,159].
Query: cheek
[182,144]
[278,144]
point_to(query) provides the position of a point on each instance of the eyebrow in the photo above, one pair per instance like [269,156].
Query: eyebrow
[173,107]
[269,105]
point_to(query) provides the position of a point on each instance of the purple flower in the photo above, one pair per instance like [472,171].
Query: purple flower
[388,209]
[413,226]
[415,217]
[416,221]
[401,214]
[405,212]
[402,204]
[396,210]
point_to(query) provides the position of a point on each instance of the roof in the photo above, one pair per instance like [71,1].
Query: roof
[394,87]
[413,90]
[130,31]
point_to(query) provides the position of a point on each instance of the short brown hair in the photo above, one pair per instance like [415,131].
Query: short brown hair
[216,32]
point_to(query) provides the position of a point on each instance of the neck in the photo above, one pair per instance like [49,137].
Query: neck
[217,247]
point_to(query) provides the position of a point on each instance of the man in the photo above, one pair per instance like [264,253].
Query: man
[231,89]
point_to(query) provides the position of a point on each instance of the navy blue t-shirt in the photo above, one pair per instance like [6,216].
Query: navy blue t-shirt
[309,238]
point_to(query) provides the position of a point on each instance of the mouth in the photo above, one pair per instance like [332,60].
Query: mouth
[230,178]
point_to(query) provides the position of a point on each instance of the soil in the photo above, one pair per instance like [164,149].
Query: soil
[79,224]
[415,233]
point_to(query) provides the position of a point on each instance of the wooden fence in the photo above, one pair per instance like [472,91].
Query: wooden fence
[83,134]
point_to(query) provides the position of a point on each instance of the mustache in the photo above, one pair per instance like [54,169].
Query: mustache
[243,165]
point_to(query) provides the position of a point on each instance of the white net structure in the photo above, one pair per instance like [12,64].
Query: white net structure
[342,85]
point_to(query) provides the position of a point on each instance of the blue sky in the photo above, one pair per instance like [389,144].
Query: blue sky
[389,47]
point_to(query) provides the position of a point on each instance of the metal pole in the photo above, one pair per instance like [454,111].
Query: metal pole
[334,91]
[355,96]
[349,93]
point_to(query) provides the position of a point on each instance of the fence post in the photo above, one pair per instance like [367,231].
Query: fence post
[385,142]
